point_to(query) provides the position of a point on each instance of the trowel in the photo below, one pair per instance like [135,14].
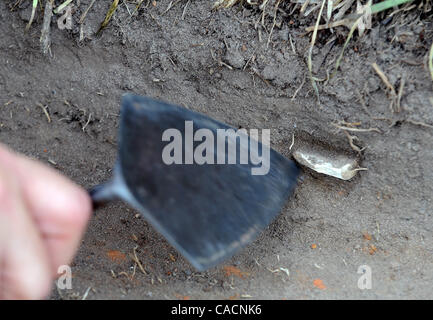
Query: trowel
[207,196]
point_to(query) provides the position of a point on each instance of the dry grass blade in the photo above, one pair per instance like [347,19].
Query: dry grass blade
[45,33]
[344,5]
[356,129]
[86,293]
[363,21]
[365,11]
[87,10]
[329,10]
[224,4]
[333,24]
[44,109]
[351,142]
[170,5]
[137,7]
[349,36]
[137,261]
[400,94]
[310,53]
[304,6]
[277,4]
[384,78]
[110,13]
[430,61]
[34,6]
[419,123]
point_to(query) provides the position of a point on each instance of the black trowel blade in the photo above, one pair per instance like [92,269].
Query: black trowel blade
[208,211]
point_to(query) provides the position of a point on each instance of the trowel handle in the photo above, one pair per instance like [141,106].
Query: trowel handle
[101,194]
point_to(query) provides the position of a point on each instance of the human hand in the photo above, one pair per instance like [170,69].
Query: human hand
[42,219]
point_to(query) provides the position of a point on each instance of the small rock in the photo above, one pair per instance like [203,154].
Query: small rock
[269,73]
[418,105]
[284,34]
[328,162]
[26,13]
[373,84]
[235,59]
